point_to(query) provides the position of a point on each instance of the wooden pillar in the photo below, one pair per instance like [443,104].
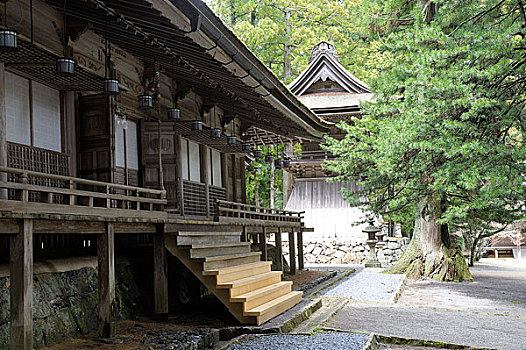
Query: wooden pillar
[179,174]
[3,127]
[279,247]
[205,164]
[292,252]
[301,262]
[234,178]
[160,275]
[263,243]
[21,295]
[106,262]
[244,235]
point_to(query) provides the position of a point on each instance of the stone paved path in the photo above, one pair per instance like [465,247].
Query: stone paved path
[489,312]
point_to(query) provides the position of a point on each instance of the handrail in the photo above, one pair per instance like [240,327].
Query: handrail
[82,181]
[63,197]
[287,212]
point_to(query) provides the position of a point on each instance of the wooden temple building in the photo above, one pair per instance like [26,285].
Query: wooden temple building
[334,94]
[162,161]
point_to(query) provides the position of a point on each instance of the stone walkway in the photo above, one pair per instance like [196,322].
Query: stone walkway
[489,312]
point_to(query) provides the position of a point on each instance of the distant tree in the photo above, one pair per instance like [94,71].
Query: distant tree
[444,137]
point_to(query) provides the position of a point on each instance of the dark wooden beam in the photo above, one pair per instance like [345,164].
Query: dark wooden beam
[106,264]
[160,275]
[21,294]
[279,248]
[263,244]
[292,252]
[301,261]
[3,126]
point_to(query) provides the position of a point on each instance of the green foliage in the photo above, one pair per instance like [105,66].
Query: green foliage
[448,119]
[263,181]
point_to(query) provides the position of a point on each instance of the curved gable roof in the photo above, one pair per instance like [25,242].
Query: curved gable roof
[324,65]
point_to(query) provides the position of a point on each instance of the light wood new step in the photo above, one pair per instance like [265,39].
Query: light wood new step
[249,284]
[200,251]
[261,296]
[274,307]
[188,238]
[232,273]
[216,262]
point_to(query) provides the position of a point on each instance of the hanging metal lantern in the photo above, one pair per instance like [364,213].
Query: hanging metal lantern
[268,159]
[65,67]
[286,163]
[278,163]
[231,140]
[258,153]
[8,39]
[197,125]
[110,87]
[174,114]
[145,101]
[246,147]
[215,133]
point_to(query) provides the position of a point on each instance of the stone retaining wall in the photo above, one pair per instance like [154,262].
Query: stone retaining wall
[388,251]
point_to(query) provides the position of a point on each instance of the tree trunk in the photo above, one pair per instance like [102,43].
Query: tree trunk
[473,251]
[287,65]
[429,254]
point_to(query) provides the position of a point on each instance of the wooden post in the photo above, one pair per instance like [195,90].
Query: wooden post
[263,243]
[106,261]
[301,262]
[3,132]
[205,164]
[21,295]
[279,247]
[179,174]
[292,252]
[160,275]
[244,235]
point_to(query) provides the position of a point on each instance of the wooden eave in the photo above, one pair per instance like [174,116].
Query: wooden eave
[137,27]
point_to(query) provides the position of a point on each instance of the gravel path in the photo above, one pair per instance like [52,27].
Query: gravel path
[369,285]
[332,341]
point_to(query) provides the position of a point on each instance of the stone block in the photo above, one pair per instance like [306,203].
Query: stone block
[317,251]
[387,252]
[309,248]
[393,245]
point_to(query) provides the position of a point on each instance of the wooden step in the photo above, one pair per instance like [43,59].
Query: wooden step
[274,307]
[237,272]
[263,295]
[189,238]
[249,284]
[217,262]
[200,251]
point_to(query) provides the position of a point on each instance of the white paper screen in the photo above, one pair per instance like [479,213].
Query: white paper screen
[184,158]
[17,109]
[216,166]
[46,117]
[132,154]
[195,161]
[119,144]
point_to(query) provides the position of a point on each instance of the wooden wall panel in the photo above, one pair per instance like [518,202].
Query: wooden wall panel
[96,138]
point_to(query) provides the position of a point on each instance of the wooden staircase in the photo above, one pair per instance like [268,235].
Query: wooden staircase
[245,285]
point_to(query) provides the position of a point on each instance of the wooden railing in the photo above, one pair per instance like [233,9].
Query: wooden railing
[73,196]
[250,214]
[316,155]
[194,198]
[37,159]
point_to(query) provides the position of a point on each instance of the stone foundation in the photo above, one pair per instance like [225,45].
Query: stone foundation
[388,251]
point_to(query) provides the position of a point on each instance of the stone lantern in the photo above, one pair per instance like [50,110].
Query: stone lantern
[371,231]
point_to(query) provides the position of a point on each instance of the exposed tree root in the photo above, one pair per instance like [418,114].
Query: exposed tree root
[448,265]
